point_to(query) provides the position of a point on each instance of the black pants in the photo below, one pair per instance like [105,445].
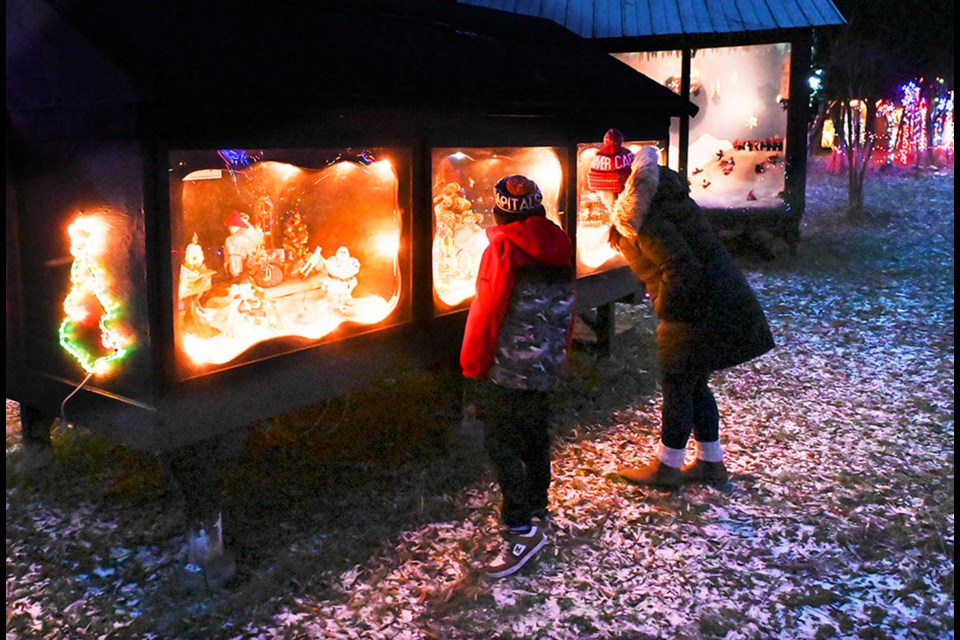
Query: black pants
[516,425]
[688,406]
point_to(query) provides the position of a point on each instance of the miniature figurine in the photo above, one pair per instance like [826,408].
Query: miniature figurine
[341,279]
[243,245]
[247,255]
[195,280]
[295,240]
[470,240]
[451,207]
[265,219]
[315,263]
[445,250]
[248,304]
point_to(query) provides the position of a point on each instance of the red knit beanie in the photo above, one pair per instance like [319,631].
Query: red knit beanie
[611,166]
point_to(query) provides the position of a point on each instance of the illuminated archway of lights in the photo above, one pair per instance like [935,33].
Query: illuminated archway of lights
[90,297]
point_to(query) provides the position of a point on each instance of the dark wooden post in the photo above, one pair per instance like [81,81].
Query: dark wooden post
[795,154]
[199,470]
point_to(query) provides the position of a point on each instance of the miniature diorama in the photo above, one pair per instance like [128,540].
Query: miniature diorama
[737,139]
[602,171]
[293,247]
[463,182]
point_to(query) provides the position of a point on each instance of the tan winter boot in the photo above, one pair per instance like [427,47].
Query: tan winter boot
[711,473]
[653,474]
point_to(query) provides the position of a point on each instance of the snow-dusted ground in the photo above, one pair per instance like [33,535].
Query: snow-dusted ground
[840,524]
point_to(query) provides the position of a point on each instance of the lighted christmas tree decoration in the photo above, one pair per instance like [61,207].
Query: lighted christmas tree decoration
[90,332]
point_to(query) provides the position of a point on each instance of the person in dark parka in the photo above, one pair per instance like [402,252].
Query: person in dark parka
[709,318]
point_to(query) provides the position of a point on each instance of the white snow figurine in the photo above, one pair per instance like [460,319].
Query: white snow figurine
[341,279]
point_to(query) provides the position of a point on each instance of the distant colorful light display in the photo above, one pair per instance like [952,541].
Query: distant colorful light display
[908,122]
[914,125]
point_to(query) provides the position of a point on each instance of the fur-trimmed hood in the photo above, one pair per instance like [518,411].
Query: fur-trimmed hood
[634,202]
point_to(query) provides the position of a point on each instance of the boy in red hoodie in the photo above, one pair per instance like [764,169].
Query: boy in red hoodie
[515,345]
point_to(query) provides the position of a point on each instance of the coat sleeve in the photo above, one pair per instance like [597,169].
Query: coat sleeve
[495,281]
[680,296]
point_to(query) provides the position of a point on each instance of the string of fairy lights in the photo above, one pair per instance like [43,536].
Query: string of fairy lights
[90,298]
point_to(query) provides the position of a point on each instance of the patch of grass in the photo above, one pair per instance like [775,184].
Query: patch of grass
[89,467]
[717,624]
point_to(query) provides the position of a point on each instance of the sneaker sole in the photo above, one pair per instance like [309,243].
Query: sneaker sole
[512,570]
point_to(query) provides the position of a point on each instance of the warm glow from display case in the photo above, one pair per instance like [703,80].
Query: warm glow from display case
[463,182]
[594,253]
[281,244]
[738,138]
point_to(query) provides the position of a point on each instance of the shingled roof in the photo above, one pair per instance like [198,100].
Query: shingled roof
[615,19]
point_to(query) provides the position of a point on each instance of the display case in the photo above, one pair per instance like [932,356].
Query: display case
[195,245]
[462,203]
[737,142]
[280,249]
[187,256]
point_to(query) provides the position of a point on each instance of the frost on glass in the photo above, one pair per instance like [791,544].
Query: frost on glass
[738,138]
[463,182]
[267,249]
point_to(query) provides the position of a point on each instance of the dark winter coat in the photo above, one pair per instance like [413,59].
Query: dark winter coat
[710,318]
[520,322]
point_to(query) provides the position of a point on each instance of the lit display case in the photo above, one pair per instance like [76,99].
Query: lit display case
[184,260]
[594,207]
[281,249]
[463,182]
[738,138]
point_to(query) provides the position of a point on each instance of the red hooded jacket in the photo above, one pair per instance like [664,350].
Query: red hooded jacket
[534,240]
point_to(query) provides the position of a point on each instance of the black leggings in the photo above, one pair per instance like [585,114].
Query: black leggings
[516,433]
[688,407]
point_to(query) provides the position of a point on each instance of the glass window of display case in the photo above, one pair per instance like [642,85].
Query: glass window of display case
[284,244]
[598,185]
[737,140]
[463,182]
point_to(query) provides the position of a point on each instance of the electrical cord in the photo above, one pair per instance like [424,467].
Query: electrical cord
[63,413]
